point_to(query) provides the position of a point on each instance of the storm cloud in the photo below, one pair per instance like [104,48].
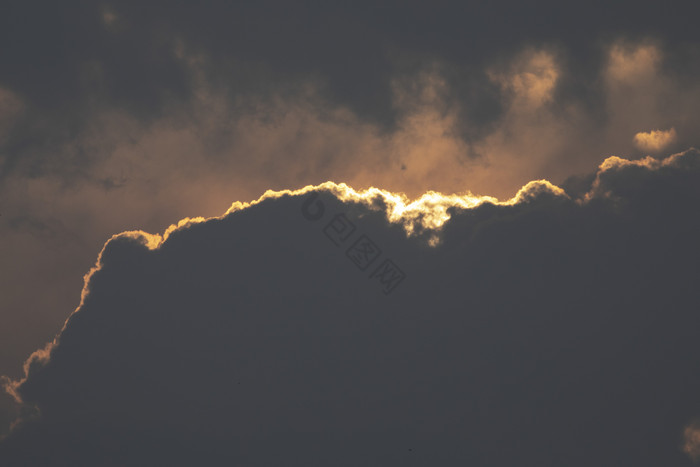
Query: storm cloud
[128,116]
[131,115]
[329,326]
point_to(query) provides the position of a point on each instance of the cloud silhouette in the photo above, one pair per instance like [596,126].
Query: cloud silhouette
[128,115]
[146,120]
[326,326]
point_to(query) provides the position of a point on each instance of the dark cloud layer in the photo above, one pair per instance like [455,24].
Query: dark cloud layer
[73,60]
[557,330]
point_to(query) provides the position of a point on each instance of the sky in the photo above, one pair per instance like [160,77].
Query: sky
[402,231]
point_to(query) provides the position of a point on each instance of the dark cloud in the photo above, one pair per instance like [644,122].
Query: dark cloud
[552,330]
[129,115]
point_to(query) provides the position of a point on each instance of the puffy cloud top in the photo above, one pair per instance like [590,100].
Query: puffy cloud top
[654,140]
